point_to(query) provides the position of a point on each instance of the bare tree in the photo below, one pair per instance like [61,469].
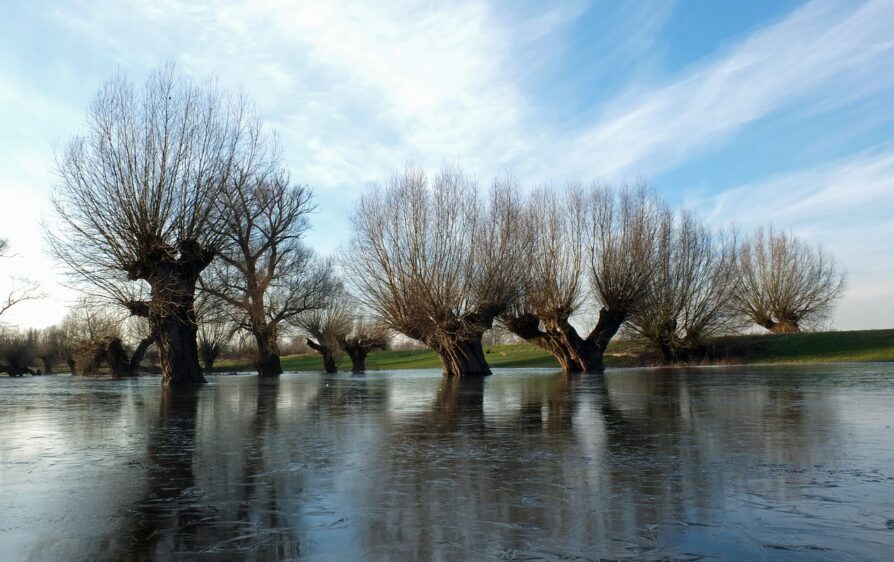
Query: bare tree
[21,290]
[436,263]
[600,236]
[216,328]
[17,350]
[786,284]
[327,326]
[52,347]
[98,334]
[265,272]
[364,336]
[137,202]
[691,291]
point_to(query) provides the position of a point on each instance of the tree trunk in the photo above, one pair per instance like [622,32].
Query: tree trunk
[462,357]
[178,353]
[209,356]
[172,317]
[269,364]
[138,355]
[358,358]
[328,356]
[574,353]
[72,366]
[785,327]
[117,358]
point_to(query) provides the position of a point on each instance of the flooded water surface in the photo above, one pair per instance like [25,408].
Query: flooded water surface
[756,463]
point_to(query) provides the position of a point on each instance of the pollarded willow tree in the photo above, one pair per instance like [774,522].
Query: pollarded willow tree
[437,262]
[137,213]
[365,335]
[597,242]
[786,284]
[691,288]
[265,272]
[342,325]
[326,326]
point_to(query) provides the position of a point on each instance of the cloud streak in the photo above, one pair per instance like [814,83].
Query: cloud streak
[822,45]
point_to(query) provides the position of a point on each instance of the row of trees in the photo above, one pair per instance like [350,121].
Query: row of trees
[175,206]
[440,263]
[175,188]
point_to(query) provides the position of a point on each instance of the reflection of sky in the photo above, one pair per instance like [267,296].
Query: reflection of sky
[657,462]
[749,111]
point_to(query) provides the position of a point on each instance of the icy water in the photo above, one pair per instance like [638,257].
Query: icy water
[685,464]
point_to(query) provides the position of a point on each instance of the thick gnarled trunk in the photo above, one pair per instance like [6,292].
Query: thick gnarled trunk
[358,350]
[177,350]
[574,353]
[269,364]
[462,357]
[327,353]
[111,351]
[172,319]
[358,355]
[780,326]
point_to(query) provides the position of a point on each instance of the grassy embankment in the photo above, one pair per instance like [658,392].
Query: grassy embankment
[856,346]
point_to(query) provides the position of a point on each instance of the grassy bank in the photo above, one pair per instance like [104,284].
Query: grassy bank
[855,346]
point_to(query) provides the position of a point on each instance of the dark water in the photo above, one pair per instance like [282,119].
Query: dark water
[732,463]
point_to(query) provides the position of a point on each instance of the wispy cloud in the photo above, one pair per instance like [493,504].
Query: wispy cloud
[822,45]
[355,89]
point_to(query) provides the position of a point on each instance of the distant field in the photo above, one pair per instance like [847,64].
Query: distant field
[821,347]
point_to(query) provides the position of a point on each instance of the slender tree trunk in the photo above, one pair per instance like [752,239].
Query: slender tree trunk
[269,364]
[328,356]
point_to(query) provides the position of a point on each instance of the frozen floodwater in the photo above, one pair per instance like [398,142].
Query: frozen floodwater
[756,463]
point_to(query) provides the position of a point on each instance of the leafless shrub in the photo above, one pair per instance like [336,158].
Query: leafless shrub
[691,289]
[137,202]
[435,262]
[785,283]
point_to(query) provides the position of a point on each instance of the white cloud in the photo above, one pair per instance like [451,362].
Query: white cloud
[355,89]
[822,45]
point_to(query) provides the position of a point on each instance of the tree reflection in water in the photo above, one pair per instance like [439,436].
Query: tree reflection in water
[676,463]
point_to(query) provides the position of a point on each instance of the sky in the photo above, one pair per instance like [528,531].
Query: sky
[751,112]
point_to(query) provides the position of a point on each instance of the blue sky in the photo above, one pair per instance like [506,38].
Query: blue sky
[755,112]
